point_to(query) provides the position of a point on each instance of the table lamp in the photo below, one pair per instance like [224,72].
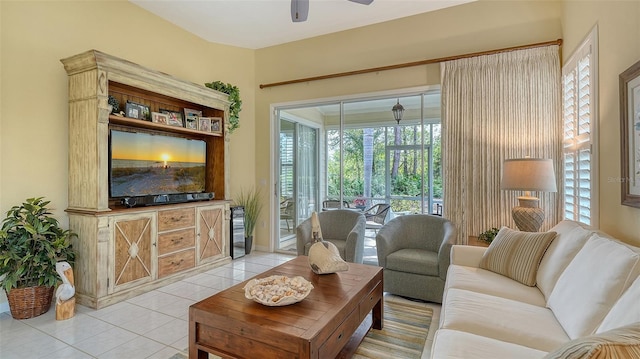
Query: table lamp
[528,174]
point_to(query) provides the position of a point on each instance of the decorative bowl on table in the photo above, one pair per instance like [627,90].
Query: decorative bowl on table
[277,290]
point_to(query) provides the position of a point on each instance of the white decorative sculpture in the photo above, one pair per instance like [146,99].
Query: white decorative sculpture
[324,257]
[65,300]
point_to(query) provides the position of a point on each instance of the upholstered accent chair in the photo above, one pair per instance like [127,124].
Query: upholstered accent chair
[342,227]
[414,252]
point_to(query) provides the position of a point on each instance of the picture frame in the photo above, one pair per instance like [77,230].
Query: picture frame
[161,118]
[138,111]
[191,122]
[630,135]
[204,124]
[175,118]
[216,125]
[189,112]
[132,110]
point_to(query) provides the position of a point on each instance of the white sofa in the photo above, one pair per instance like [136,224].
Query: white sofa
[586,284]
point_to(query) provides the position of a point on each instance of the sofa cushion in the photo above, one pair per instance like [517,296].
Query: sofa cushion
[517,254]
[411,260]
[501,319]
[454,344]
[570,238]
[591,284]
[487,282]
[620,343]
[625,311]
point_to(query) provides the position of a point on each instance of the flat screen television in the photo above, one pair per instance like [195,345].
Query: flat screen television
[143,164]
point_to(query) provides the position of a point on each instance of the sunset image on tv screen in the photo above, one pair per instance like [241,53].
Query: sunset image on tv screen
[147,164]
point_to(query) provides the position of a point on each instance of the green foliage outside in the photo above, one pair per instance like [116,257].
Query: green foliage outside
[406,173]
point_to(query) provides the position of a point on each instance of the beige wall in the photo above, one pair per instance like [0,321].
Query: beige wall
[619,30]
[467,28]
[33,116]
[33,91]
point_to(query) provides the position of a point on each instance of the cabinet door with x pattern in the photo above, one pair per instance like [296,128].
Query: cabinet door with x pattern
[133,250]
[210,233]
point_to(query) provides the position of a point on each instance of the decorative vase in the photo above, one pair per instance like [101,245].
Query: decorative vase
[248,243]
[29,302]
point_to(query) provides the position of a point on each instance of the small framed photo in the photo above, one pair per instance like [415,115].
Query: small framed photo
[191,122]
[162,118]
[139,111]
[216,124]
[189,112]
[204,124]
[132,110]
[174,118]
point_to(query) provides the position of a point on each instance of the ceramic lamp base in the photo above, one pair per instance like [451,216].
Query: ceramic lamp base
[528,219]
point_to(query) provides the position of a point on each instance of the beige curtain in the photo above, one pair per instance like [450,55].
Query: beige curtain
[497,107]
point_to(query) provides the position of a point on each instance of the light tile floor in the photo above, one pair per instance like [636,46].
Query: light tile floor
[151,325]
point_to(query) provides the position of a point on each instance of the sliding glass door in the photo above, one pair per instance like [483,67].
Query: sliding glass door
[353,153]
[298,174]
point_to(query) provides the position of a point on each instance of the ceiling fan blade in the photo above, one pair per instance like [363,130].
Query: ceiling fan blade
[363,2]
[299,10]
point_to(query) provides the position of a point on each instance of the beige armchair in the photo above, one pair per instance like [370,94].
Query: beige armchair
[342,227]
[414,252]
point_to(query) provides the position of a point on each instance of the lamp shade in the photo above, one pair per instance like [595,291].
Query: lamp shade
[528,174]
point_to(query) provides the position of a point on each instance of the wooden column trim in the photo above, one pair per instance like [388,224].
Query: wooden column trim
[411,64]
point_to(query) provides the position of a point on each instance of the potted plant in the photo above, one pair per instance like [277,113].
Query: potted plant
[31,242]
[234,97]
[251,201]
[488,235]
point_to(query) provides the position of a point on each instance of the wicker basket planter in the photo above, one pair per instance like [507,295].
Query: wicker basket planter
[29,302]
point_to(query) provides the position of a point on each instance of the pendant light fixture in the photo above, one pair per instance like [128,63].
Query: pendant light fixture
[397,110]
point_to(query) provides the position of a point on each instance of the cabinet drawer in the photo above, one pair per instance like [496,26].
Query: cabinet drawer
[176,219]
[175,241]
[370,301]
[337,340]
[177,262]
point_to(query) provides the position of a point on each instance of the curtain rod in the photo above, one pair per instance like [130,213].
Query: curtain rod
[410,64]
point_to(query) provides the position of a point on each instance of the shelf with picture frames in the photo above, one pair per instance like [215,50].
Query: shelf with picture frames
[134,122]
[164,113]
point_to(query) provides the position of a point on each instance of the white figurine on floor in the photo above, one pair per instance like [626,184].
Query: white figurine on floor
[65,301]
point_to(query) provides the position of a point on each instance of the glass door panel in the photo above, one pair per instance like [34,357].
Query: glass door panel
[298,150]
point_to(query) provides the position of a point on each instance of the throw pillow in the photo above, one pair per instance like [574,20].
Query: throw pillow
[625,311]
[516,254]
[590,285]
[623,342]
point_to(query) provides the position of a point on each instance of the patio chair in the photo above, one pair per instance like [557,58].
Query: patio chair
[286,211]
[376,216]
[333,204]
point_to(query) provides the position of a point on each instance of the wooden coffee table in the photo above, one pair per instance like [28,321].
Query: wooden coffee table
[330,322]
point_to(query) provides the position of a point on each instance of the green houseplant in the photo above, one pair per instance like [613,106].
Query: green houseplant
[252,203]
[31,242]
[488,235]
[234,98]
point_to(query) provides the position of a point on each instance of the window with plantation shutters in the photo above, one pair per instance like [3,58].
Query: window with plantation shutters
[579,99]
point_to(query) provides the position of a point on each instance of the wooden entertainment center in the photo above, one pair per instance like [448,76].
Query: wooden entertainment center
[123,252]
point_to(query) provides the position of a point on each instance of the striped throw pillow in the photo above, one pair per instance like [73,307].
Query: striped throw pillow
[516,254]
[620,343]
